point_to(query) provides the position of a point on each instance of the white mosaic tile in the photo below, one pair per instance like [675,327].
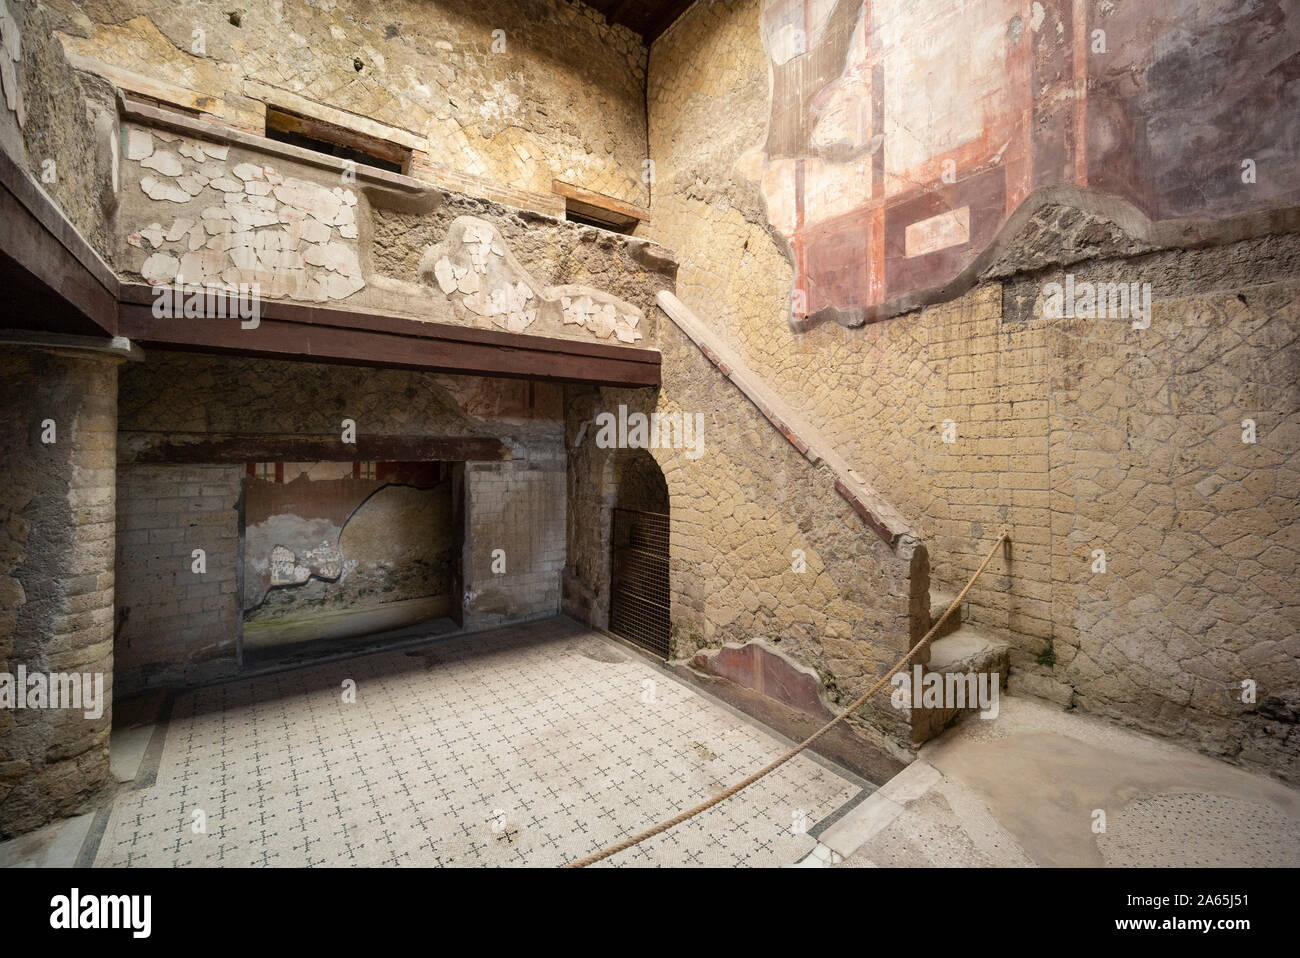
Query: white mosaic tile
[533,745]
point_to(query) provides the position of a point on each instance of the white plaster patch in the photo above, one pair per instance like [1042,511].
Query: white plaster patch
[938,232]
[164,161]
[474,262]
[445,274]
[159,190]
[178,229]
[192,183]
[139,144]
[160,268]
[11,55]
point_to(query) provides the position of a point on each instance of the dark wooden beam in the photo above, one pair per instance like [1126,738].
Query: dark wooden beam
[287,122]
[203,447]
[598,206]
[320,334]
[55,282]
[53,279]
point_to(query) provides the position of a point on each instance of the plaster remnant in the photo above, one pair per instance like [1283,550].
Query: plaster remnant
[139,144]
[160,268]
[474,264]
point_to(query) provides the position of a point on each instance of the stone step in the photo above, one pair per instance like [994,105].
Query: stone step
[966,650]
[939,602]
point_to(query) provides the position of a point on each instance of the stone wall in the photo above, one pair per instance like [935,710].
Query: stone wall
[557,93]
[59,125]
[198,207]
[1075,434]
[555,252]
[761,544]
[56,575]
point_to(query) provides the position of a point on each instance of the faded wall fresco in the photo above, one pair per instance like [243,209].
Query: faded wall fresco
[903,135]
[318,549]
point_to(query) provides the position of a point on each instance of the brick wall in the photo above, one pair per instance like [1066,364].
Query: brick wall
[988,377]
[518,507]
[178,626]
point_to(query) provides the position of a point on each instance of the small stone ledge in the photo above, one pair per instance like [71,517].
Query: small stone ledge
[789,698]
[767,671]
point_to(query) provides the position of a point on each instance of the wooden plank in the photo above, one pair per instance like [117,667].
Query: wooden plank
[326,132]
[321,342]
[599,202]
[46,256]
[135,446]
[38,203]
[143,295]
[142,85]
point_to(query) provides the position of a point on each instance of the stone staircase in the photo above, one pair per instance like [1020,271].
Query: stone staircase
[958,649]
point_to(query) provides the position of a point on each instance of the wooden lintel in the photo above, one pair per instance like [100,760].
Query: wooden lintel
[595,204]
[202,447]
[53,279]
[287,122]
[321,334]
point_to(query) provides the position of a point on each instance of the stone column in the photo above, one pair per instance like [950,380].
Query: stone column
[58,439]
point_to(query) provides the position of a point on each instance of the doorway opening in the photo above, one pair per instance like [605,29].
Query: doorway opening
[640,598]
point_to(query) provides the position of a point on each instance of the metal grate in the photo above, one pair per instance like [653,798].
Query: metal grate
[639,579]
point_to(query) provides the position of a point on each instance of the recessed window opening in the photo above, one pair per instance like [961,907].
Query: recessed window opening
[574,216]
[332,140]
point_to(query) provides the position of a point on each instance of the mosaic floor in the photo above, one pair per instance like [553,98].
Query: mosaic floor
[534,745]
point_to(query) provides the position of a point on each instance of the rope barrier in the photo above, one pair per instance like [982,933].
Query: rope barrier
[773,766]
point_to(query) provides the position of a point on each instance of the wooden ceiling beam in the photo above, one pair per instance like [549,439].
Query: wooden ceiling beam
[136,446]
[300,333]
[57,283]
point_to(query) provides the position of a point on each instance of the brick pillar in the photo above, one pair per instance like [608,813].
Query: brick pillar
[56,573]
